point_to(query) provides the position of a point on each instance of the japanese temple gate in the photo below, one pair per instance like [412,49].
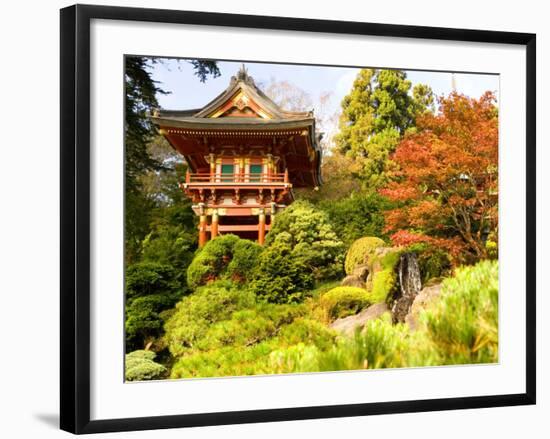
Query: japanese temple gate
[244,156]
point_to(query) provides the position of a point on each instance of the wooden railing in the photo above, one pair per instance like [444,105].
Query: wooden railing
[254,178]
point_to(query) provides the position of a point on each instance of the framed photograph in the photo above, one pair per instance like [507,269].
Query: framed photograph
[273,218]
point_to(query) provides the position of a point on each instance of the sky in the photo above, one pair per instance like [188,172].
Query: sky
[188,92]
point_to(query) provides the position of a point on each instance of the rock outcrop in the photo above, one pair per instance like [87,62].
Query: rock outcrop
[348,325]
[358,277]
[392,278]
[425,296]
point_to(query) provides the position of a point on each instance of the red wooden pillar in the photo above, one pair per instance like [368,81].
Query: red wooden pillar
[202,231]
[214,226]
[261,227]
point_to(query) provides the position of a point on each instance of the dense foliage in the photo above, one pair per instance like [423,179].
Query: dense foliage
[312,239]
[280,277]
[448,178]
[140,366]
[462,328]
[141,93]
[226,257]
[151,288]
[360,251]
[403,177]
[375,115]
[343,301]
[221,329]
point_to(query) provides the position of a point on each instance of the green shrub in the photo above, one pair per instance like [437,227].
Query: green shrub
[151,289]
[492,249]
[226,361]
[249,326]
[459,328]
[227,256]
[308,331]
[280,277]
[256,355]
[360,214]
[343,301]
[170,245]
[195,314]
[313,242]
[360,251]
[298,358]
[245,259]
[433,262]
[146,278]
[144,318]
[139,366]
[463,324]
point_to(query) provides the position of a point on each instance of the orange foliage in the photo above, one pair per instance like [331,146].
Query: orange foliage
[448,178]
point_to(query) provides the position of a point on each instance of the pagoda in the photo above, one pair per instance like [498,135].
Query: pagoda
[245,154]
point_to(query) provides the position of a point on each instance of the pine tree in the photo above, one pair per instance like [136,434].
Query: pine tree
[375,115]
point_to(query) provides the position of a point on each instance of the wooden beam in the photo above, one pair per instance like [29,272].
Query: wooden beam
[261,227]
[237,228]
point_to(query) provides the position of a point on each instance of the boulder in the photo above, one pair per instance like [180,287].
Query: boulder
[348,325]
[353,281]
[421,301]
[358,278]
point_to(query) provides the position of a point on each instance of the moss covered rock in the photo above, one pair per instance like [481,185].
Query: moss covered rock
[360,252]
[343,301]
[383,278]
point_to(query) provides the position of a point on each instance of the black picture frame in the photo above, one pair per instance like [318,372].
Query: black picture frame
[75,217]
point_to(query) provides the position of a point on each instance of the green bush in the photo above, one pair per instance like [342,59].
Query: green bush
[245,259]
[459,328]
[360,251]
[170,245]
[144,318]
[257,355]
[313,242]
[298,358]
[146,278]
[227,256]
[343,301]
[360,214]
[197,313]
[463,324]
[151,289]
[139,366]
[226,361]
[249,326]
[280,277]
[433,262]
[308,331]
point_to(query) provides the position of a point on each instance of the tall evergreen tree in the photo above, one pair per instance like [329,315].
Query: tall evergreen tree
[375,115]
[141,98]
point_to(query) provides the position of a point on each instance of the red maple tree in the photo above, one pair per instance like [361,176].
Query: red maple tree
[447,180]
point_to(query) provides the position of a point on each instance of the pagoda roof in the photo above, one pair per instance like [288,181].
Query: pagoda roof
[242,103]
[244,110]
